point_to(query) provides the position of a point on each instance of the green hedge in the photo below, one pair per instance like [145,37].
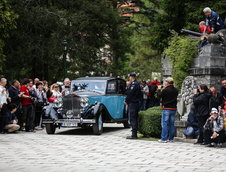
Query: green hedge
[150,122]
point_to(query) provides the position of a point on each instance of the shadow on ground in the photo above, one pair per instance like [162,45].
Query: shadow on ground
[88,131]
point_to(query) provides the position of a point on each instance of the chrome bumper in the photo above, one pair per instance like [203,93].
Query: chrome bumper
[69,121]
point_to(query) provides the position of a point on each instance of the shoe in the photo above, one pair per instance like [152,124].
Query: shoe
[219,145]
[31,131]
[211,145]
[162,141]
[170,141]
[198,143]
[131,137]
[38,128]
[203,143]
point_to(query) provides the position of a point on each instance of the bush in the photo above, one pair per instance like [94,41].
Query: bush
[181,52]
[150,122]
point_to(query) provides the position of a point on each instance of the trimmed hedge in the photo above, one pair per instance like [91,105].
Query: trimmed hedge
[150,122]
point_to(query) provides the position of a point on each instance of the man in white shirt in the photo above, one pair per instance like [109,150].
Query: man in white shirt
[4,95]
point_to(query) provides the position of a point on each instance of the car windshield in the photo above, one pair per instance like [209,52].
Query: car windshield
[99,86]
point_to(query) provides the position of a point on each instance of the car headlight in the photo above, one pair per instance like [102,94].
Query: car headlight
[84,102]
[58,103]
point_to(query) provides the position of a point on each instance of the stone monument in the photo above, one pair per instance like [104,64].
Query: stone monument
[209,68]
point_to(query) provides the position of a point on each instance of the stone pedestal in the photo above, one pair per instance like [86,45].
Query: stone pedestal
[210,65]
[180,127]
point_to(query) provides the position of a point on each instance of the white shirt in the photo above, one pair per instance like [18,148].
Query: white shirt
[56,93]
[145,92]
[3,95]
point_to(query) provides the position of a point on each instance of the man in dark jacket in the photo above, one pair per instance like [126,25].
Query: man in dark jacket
[133,98]
[10,123]
[213,20]
[201,101]
[15,95]
[223,92]
[168,98]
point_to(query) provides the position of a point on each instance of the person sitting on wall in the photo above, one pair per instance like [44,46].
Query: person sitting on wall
[203,28]
[203,41]
[192,129]
[213,20]
[214,129]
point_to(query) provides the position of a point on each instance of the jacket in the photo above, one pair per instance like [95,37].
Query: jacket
[9,117]
[215,21]
[134,93]
[13,94]
[216,125]
[168,97]
[202,104]
[215,101]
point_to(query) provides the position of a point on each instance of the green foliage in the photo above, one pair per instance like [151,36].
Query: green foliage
[181,52]
[150,122]
[7,23]
[43,25]
[143,59]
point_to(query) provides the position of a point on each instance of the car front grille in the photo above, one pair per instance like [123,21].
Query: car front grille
[72,106]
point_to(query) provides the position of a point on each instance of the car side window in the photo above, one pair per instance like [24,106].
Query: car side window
[121,86]
[112,87]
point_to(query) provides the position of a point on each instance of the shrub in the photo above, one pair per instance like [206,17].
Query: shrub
[150,122]
[181,52]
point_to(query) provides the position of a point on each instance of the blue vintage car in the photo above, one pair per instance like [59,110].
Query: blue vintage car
[91,102]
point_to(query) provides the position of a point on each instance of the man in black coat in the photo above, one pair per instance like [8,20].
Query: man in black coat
[133,98]
[15,95]
[168,99]
[201,101]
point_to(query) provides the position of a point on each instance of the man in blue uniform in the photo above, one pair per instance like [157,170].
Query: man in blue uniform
[213,20]
[132,100]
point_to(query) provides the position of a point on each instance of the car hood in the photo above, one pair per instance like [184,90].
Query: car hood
[86,93]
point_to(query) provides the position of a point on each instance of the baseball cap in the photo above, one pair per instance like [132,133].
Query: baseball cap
[214,110]
[169,79]
[133,74]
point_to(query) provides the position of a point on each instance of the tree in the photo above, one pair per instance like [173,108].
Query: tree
[7,23]
[43,25]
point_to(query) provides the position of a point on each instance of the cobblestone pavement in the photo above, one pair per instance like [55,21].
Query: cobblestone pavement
[72,150]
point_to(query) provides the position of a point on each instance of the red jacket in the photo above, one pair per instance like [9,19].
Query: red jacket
[203,27]
[25,101]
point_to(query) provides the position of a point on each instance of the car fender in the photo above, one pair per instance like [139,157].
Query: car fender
[99,107]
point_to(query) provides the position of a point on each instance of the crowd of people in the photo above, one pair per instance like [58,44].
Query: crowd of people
[21,105]
[207,117]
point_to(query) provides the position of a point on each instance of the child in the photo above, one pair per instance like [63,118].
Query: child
[203,28]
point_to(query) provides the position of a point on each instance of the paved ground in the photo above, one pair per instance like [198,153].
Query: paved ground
[78,150]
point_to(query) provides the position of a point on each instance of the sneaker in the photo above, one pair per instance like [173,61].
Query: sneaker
[211,145]
[38,128]
[219,145]
[170,141]
[162,141]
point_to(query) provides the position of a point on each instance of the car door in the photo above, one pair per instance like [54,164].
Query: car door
[111,99]
[121,90]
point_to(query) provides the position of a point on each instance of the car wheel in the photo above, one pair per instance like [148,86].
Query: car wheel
[50,128]
[126,124]
[98,126]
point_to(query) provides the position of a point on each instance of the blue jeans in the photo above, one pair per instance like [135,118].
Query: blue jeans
[168,129]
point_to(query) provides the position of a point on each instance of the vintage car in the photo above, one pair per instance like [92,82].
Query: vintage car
[91,102]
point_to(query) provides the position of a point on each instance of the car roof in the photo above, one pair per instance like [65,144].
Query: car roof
[95,78]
